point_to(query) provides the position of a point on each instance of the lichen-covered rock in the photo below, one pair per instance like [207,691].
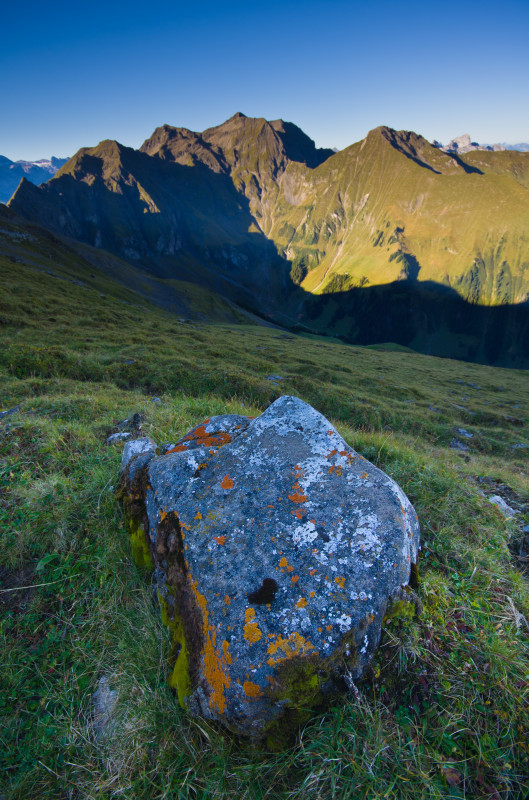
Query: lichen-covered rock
[276,549]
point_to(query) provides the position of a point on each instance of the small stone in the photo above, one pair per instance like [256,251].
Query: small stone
[502,506]
[104,702]
[455,444]
[10,411]
[466,434]
[118,437]
[155,400]
[274,378]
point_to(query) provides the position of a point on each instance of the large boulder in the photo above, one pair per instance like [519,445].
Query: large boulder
[276,549]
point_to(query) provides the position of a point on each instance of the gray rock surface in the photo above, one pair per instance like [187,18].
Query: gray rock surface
[502,506]
[104,702]
[456,444]
[118,437]
[276,549]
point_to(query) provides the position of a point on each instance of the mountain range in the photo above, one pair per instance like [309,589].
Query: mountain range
[390,239]
[12,172]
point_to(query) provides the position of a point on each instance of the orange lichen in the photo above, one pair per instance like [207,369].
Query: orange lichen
[227,482]
[252,632]
[301,603]
[312,593]
[340,582]
[294,578]
[299,513]
[251,689]
[203,438]
[290,569]
[283,562]
[220,539]
[198,515]
[179,448]
[214,665]
[227,600]
[297,497]
[312,571]
[226,651]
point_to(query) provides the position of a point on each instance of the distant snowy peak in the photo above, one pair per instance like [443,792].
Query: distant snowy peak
[12,172]
[50,165]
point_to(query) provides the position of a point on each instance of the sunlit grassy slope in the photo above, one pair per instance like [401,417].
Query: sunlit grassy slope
[442,713]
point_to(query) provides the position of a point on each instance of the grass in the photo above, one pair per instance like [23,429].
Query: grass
[443,711]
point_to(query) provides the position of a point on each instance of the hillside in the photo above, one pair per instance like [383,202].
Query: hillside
[443,711]
[254,210]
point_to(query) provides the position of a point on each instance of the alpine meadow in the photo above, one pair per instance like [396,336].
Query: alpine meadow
[146,292]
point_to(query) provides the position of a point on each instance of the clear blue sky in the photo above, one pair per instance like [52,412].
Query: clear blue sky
[75,73]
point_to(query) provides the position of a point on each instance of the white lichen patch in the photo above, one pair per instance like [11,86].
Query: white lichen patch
[305,533]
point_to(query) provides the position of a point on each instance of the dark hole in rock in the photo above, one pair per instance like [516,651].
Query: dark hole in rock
[265,594]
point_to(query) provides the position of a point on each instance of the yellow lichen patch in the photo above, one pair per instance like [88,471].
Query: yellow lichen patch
[140,548]
[179,678]
[227,482]
[312,593]
[226,651]
[297,497]
[340,581]
[284,648]
[252,632]
[215,665]
[301,603]
[283,562]
[251,689]
[198,515]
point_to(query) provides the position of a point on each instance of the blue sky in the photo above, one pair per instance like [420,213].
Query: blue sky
[73,74]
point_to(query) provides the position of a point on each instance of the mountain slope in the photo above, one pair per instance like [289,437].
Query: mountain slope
[252,208]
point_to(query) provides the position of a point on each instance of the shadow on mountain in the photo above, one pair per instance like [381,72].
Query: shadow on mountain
[427,317]
[469,169]
[177,222]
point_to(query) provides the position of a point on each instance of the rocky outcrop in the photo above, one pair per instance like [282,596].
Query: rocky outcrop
[464,144]
[276,549]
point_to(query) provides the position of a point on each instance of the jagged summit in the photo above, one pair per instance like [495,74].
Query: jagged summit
[252,208]
[463,144]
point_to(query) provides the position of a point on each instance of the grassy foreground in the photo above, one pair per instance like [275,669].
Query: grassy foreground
[442,713]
